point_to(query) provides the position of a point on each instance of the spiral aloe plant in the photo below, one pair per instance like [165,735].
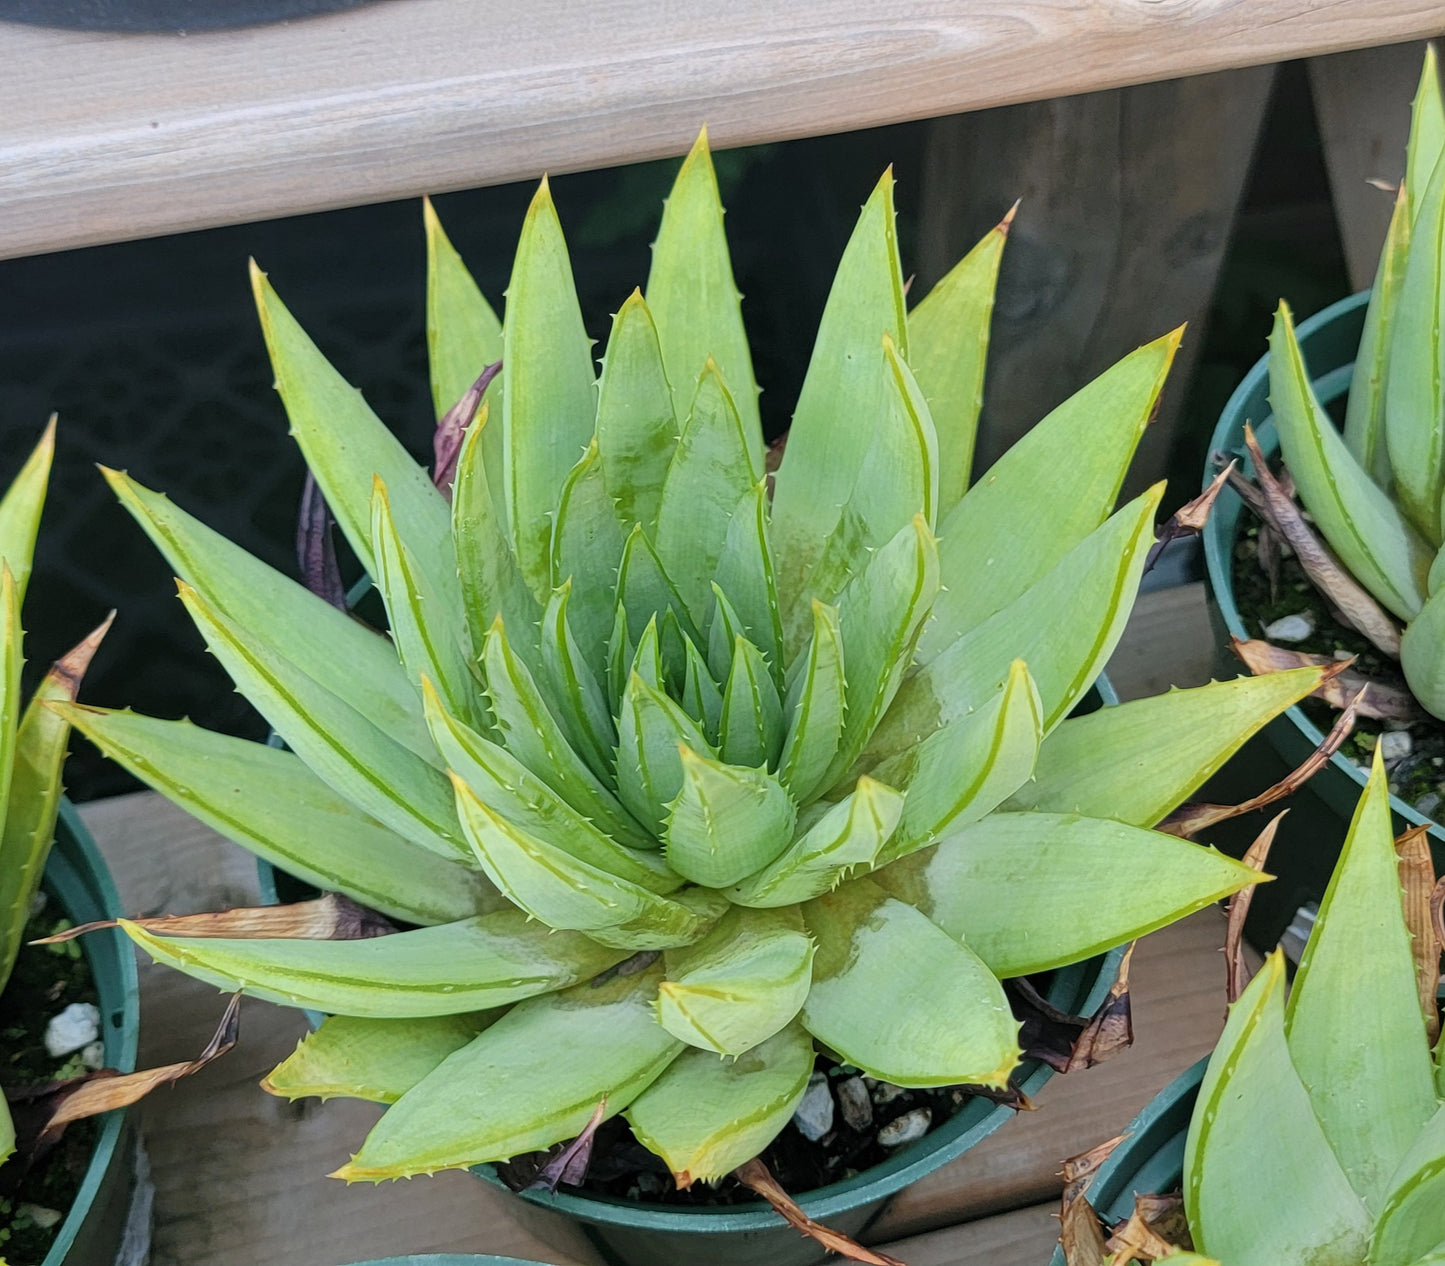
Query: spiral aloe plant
[684,778]
[1375,491]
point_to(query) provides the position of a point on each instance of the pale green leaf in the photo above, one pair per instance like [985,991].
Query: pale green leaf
[1357,976]
[694,298]
[750,731]
[1363,526]
[572,682]
[11,661]
[1420,656]
[948,348]
[20,509]
[1139,761]
[636,422]
[534,1078]
[468,966]
[727,821]
[740,984]
[350,1057]
[646,589]
[899,998]
[701,699]
[705,1116]
[712,470]
[267,801]
[649,768]
[745,572]
[844,837]
[1426,144]
[1242,1209]
[1412,1220]
[341,747]
[550,402]
[463,335]
[1053,488]
[586,550]
[814,708]
[345,657]
[722,634]
[1033,891]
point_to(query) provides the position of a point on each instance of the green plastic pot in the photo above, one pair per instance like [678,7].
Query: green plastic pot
[1308,845]
[1150,1160]
[448,1259]
[76,878]
[635,1233]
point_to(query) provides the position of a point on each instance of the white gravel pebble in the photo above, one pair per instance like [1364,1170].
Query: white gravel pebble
[93,1056]
[42,1217]
[857,1106]
[1394,744]
[885,1092]
[1289,628]
[910,1126]
[78,1025]
[814,1116]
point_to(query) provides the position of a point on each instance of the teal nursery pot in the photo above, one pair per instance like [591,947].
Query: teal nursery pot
[77,880]
[1150,1160]
[1305,851]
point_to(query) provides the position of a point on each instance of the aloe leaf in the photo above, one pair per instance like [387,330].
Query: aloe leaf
[20,509]
[649,767]
[899,998]
[1427,130]
[693,296]
[1139,761]
[1364,428]
[880,615]
[477,963]
[712,470]
[346,446]
[573,683]
[701,699]
[1029,892]
[672,648]
[11,662]
[948,345]
[1414,395]
[750,731]
[645,588]
[532,1079]
[844,837]
[814,708]
[587,543]
[620,655]
[563,891]
[722,634]
[843,395]
[28,827]
[727,821]
[1089,591]
[350,1057]
[340,746]
[7,1132]
[1412,1220]
[508,788]
[636,422]
[1252,1105]
[341,655]
[740,984]
[431,639]
[647,659]
[705,1116]
[491,579]
[267,801]
[1420,656]
[745,572]
[533,735]
[966,769]
[1357,975]
[1373,539]
[1034,493]
[550,401]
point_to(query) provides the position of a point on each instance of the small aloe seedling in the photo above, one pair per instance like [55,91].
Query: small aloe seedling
[1375,491]
[33,738]
[681,777]
[1318,1137]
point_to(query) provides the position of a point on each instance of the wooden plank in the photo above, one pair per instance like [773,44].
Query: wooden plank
[1128,203]
[107,137]
[1168,642]
[1024,1237]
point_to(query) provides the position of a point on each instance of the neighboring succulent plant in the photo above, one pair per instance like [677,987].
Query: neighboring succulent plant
[636,703]
[1318,1137]
[32,737]
[1376,491]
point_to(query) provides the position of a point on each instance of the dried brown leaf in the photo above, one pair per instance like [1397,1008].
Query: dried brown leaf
[570,1163]
[1189,819]
[329,918]
[1136,1240]
[1236,974]
[1188,520]
[1111,1029]
[1417,885]
[1080,1233]
[1351,599]
[757,1177]
[452,429]
[69,670]
[316,546]
[1384,701]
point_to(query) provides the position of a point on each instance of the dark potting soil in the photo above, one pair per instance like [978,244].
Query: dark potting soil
[45,981]
[1417,777]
